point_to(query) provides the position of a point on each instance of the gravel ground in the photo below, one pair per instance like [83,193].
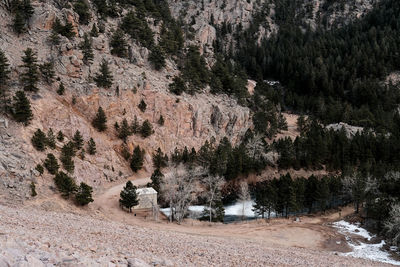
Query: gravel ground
[33,237]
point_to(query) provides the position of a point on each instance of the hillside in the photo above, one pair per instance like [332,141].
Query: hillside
[293,105]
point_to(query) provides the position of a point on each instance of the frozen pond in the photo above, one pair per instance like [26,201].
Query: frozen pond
[233,212]
[361,249]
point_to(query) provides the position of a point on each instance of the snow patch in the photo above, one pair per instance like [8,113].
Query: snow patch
[362,250]
[355,229]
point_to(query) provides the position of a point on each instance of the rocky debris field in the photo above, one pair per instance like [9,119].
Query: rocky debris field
[33,237]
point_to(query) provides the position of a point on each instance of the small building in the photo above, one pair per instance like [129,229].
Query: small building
[147,198]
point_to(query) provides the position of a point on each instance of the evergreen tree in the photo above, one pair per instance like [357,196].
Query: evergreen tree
[146,129]
[160,160]
[54,38]
[125,153]
[67,152]
[4,78]
[142,106]
[23,11]
[50,139]
[83,194]
[39,168]
[61,89]
[18,22]
[22,108]
[39,140]
[81,7]
[87,50]
[157,57]
[156,180]
[66,30]
[266,197]
[118,44]
[128,196]
[124,130]
[94,31]
[78,140]
[161,120]
[60,136]
[135,127]
[47,70]
[137,159]
[178,86]
[33,189]
[100,121]
[91,147]
[104,78]
[51,164]
[30,76]
[65,184]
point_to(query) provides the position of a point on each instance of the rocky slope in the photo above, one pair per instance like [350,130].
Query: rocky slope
[30,237]
[189,120]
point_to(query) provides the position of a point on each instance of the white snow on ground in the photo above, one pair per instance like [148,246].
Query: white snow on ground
[355,229]
[360,249]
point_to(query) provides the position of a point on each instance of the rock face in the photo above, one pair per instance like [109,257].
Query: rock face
[188,119]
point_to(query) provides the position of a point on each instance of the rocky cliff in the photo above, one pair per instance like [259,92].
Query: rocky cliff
[189,120]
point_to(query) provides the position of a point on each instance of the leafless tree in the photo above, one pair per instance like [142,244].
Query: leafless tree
[178,190]
[213,185]
[392,225]
[244,195]
[255,147]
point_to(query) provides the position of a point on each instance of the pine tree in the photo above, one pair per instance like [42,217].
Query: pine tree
[146,129]
[178,86]
[39,168]
[60,136]
[51,164]
[84,194]
[50,139]
[157,57]
[81,7]
[156,180]
[99,122]
[47,70]
[67,152]
[82,154]
[125,152]
[104,78]
[160,160]
[65,184]
[124,130]
[161,120]
[135,127]
[54,38]
[118,44]
[87,50]
[137,159]
[33,189]
[128,196]
[91,147]
[142,106]
[4,78]
[30,76]
[61,89]
[94,32]
[78,140]
[19,22]
[22,108]
[39,140]
[66,30]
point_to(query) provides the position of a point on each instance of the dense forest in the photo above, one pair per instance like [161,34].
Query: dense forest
[334,74]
